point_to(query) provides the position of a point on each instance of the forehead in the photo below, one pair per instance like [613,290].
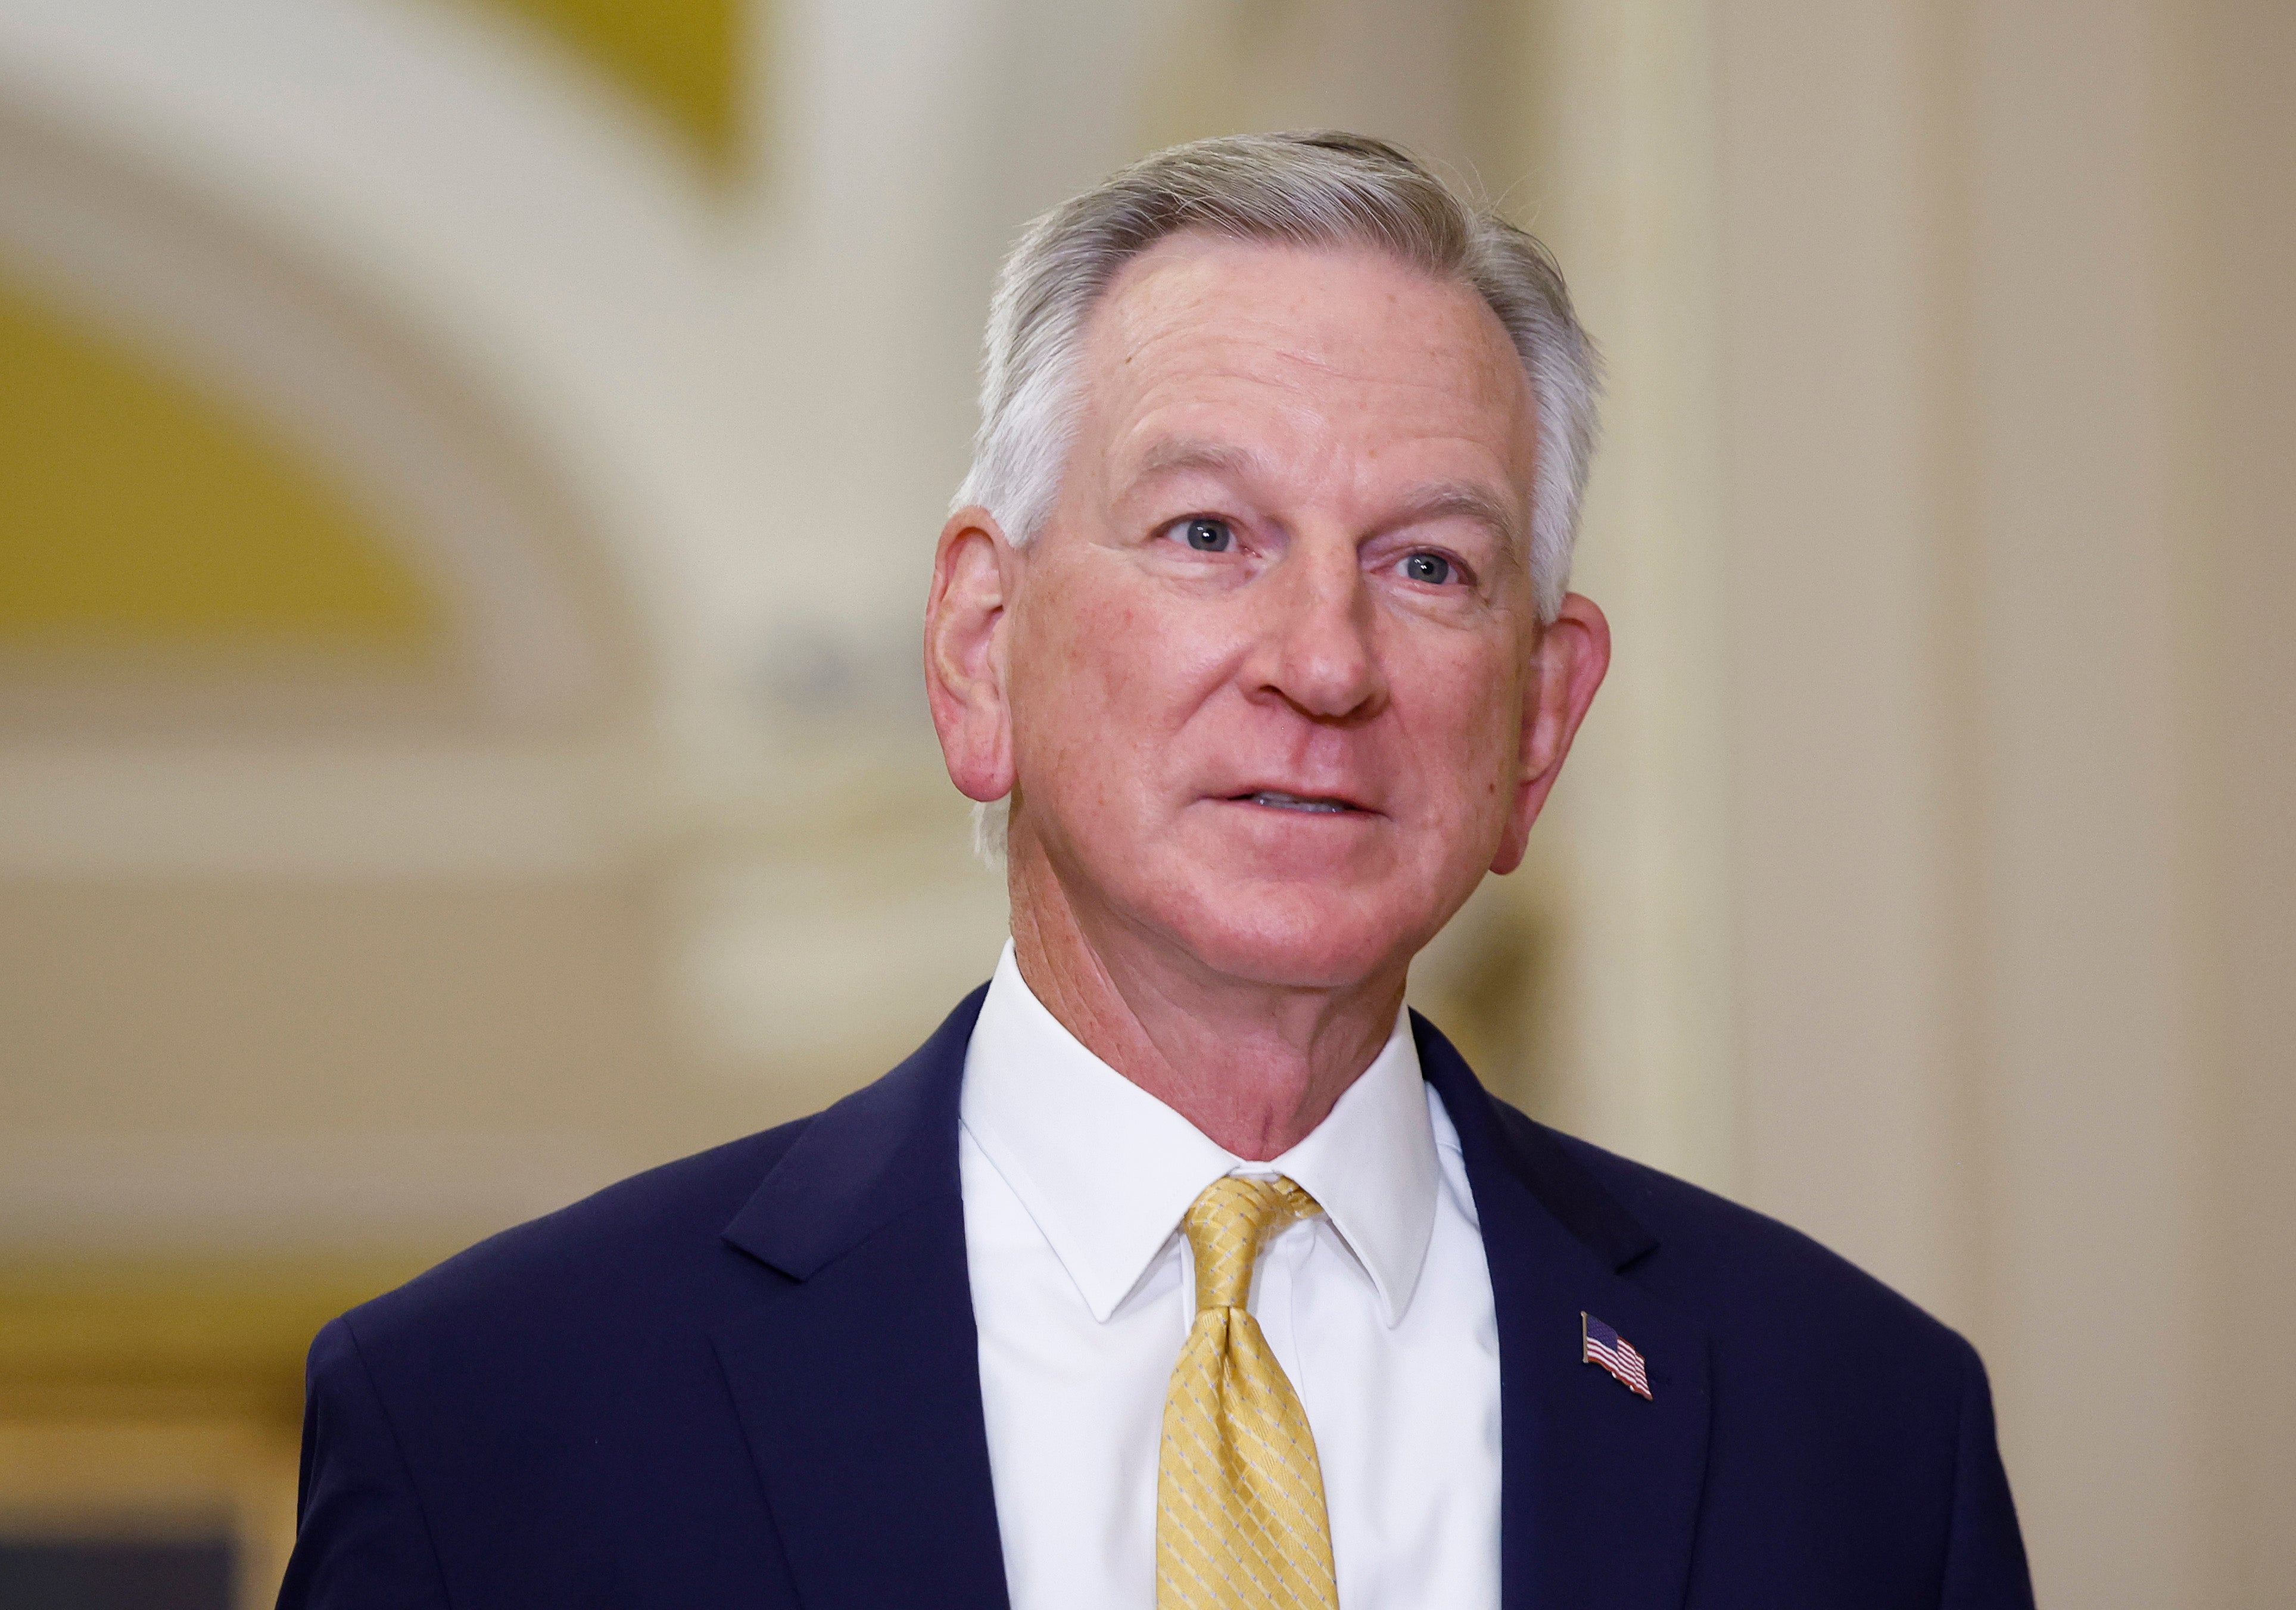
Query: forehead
[1342,354]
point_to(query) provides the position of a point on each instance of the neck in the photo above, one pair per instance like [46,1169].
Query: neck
[1254,1066]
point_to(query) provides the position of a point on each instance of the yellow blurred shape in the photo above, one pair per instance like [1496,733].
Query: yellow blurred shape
[135,1391]
[680,58]
[137,509]
[108,1334]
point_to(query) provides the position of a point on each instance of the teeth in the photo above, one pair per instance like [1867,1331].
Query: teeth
[1293,801]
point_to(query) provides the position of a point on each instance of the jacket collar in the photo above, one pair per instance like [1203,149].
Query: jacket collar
[857,1373]
[1600,1488]
[885,1150]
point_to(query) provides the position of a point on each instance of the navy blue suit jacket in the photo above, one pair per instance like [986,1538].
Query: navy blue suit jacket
[750,1378]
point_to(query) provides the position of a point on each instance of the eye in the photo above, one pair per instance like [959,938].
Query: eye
[1205,535]
[1432,570]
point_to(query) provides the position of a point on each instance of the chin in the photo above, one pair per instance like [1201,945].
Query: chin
[1309,939]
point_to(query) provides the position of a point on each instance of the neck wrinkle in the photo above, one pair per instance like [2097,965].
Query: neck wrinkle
[1256,1085]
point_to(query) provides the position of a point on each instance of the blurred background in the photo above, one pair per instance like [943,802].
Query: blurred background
[468,472]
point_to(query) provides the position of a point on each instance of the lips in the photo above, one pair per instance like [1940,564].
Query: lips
[1276,799]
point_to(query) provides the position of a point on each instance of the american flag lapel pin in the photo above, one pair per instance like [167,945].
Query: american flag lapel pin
[1598,1343]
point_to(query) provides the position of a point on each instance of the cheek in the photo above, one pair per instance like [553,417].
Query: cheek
[1142,661]
[1469,738]
[1109,676]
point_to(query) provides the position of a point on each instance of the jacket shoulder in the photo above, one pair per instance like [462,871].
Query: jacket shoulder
[655,1230]
[647,1264]
[1745,1272]
[1849,1431]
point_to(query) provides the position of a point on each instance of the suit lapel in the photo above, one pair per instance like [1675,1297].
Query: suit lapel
[856,1375]
[1599,1488]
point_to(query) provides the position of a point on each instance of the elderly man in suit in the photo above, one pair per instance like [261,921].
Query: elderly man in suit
[1182,1267]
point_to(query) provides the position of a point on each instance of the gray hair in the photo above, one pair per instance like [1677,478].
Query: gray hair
[1323,188]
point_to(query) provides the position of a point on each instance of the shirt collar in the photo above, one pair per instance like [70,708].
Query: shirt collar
[1106,1170]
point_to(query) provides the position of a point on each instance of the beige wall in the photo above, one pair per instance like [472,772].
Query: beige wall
[2009,589]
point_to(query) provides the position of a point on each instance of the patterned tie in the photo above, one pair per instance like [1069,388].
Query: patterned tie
[1239,1495]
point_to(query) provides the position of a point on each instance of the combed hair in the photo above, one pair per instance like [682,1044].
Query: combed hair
[1316,189]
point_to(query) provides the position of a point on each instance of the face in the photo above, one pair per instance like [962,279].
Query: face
[1273,688]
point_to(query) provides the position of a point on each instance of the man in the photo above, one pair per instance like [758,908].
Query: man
[1182,1266]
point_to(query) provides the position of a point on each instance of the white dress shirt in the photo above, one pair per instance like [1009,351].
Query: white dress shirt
[1083,1288]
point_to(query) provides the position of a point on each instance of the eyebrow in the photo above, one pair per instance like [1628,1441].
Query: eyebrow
[1464,500]
[1179,454]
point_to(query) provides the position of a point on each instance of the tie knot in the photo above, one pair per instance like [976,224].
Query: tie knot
[1225,1226]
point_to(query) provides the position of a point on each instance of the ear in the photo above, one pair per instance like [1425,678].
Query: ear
[1566,667]
[965,653]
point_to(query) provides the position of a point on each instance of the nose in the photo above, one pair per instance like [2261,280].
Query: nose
[1315,650]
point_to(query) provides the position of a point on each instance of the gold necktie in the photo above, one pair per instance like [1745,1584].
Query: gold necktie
[1240,1520]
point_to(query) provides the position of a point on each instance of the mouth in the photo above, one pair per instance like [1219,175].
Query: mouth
[1275,799]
